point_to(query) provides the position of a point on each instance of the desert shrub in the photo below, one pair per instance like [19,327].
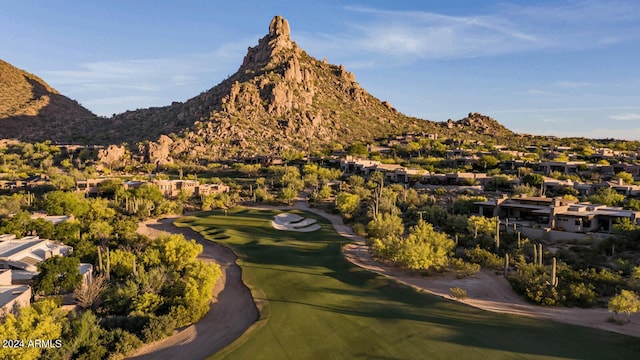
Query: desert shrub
[484,257]
[121,343]
[580,294]
[359,229]
[458,293]
[158,328]
[440,191]
[133,324]
[462,268]
[604,281]
[533,282]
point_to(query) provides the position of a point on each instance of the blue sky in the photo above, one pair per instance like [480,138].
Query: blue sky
[566,68]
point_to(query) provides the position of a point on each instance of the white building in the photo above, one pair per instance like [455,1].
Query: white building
[28,252]
[12,296]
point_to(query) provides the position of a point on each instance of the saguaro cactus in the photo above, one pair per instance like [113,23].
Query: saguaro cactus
[506,264]
[554,278]
[100,269]
[540,254]
[497,239]
[108,265]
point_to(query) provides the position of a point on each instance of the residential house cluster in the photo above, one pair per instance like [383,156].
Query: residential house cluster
[169,188]
[557,213]
[24,184]
[401,174]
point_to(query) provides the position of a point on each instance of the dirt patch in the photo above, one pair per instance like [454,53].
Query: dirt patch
[488,291]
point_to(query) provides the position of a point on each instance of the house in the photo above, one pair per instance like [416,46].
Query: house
[133,184]
[89,186]
[586,217]
[351,165]
[568,167]
[460,178]
[624,189]
[532,208]
[208,189]
[26,184]
[12,296]
[26,253]
[171,188]
[557,213]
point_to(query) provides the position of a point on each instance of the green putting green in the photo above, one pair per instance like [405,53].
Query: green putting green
[317,305]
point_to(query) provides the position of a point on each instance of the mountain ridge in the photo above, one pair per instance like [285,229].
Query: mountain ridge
[280,99]
[32,110]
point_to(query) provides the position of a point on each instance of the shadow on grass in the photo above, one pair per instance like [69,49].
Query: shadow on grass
[309,271]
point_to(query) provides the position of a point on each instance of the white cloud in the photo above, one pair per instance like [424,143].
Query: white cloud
[625,117]
[400,37]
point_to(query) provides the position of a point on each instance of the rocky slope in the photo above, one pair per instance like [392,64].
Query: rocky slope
[280,99]
[31,110]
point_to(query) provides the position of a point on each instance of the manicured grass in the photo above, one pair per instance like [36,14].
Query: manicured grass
[322,307]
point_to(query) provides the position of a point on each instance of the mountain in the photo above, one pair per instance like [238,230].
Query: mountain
[280,98]
[31,110]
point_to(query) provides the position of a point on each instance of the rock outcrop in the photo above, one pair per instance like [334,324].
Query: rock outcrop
[280,100]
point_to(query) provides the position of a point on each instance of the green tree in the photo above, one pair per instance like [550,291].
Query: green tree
[99,210]
[533,180]
[633,204]
[324,192]
[17,225]
[149,192]
[11,204]
[385,224]
[355,181]
[147,303]
[626,177]
[287,194]
[358,149]
[42,227]
[65,203]
[110,187]
[425,248]
[42,320]
[465,204]
[121,262]
[488,161]
[176,251]
[63,182]
[626,302]
[347,203]
[99,231]
[58,275]
[480,225]
[83,337]
[607,196]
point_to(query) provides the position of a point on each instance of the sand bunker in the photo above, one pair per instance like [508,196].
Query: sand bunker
[293,222]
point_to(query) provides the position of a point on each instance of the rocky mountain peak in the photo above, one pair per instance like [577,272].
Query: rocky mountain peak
[279,27]
[273,47]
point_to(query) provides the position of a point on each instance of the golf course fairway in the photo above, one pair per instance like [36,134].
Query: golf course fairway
[316,305]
